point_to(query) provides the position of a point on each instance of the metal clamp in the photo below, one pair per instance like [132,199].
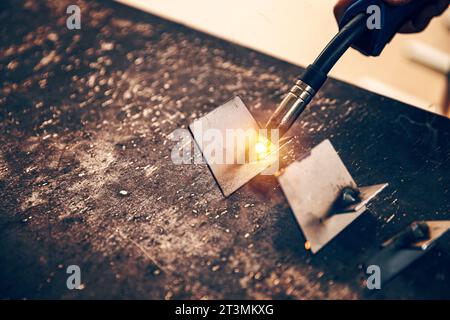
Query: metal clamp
[406,247]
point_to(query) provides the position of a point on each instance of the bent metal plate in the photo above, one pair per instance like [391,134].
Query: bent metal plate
[312,185]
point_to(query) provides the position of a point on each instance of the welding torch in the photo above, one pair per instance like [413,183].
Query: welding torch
[355,31]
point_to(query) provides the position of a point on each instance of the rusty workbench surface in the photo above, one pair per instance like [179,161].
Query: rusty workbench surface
[86,114]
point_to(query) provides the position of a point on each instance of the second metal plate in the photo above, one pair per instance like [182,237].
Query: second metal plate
[312,185]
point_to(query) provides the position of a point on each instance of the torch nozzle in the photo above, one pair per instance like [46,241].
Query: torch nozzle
[291,107]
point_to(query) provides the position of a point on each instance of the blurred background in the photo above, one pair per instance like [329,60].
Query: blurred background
[413,68]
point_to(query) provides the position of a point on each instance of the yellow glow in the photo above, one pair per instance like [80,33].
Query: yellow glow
[262,148]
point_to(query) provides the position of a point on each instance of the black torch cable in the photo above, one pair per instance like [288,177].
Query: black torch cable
[340,43]
[315,75]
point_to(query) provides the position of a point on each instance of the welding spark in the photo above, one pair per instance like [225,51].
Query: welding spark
[263,148]
[283,142]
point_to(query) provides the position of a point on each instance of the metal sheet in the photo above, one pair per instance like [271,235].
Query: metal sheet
[312,185]
[233,115]
[392,260]
[437,229]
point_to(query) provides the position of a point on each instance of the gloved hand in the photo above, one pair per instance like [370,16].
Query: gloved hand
[417,23]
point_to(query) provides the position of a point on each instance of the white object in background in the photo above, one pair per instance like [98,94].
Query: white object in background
[382,88]
[447,20]
[428,56]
